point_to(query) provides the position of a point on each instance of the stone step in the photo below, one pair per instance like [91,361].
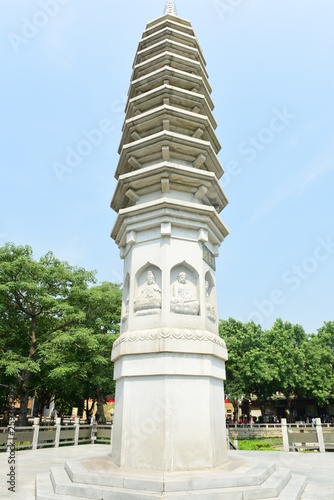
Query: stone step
[112,477]
[237,472]
[294,489]
[270,488]
[66,490]
[280,484]
[45,491]
[63,485]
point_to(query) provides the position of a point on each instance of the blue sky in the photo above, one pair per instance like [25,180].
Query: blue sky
[65,72]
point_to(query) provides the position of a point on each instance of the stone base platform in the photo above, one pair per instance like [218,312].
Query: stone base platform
[238,479]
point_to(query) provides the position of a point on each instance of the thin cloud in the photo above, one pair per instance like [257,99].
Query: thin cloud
[318,168]
[276,197]
[300,138]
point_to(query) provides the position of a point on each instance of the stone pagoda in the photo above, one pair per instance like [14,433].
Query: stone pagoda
[169,360]
[169,438]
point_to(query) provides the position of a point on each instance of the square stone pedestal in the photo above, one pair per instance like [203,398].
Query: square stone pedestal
[169,409]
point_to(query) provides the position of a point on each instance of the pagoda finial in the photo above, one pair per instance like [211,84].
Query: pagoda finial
[170,8]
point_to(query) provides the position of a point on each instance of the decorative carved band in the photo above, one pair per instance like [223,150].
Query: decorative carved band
[170,333]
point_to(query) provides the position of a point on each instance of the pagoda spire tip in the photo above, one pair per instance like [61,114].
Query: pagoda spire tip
[170,8]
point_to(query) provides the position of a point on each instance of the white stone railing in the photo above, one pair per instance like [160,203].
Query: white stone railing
[247,431]
[52,436]
[297,436]
[316,436]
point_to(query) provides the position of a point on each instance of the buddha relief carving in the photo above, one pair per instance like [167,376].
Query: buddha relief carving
[184,299]
[148,300]
[210,309]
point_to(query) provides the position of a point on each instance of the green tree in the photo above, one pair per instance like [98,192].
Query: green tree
[82,355]
[38,299]
[247,369]
[286,348]
[319,364]
[103,315]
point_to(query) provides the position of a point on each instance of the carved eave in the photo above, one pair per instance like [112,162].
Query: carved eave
[172,22]
[174,61]
[170,33]
[168,146]
[168,168]
[167,177]
[170,76]
[175,120]
[137,224]
[173,46]
[175,96]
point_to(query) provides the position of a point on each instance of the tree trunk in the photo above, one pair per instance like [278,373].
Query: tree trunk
[23,419]
[288,410]
[100,408]
[263,410]
[235,410]
[43,399]
[24,397]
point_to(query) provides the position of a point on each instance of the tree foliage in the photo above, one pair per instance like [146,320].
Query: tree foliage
[82,355]
[38,300]
[319,364]
[57,330]
[286,351]
[247,370]
[281,360]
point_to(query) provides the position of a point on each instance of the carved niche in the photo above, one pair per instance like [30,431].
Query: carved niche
[209,297]
[184,291]
[148,298]
[125,298]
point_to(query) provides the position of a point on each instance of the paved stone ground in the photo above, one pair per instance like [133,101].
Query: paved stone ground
[318,467]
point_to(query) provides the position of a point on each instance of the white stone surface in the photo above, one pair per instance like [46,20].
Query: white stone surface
[169,362]
[182,394]
[241,478]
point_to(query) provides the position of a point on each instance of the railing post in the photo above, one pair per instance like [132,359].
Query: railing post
[77,430]
[285,435]
[320,435]
[94,430]
[58,429]
[36,433]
